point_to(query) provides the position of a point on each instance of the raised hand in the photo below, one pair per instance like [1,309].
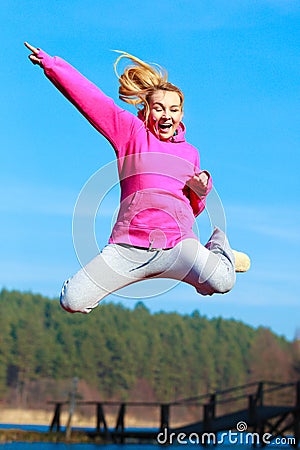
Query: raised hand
[33,57]
[202,179]
[199,183]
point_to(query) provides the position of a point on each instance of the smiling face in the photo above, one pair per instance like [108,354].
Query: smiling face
[165,113]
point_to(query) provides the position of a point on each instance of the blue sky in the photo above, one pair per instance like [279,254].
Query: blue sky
[238,65]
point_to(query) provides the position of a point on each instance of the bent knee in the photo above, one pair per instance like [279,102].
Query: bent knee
[217,284]
[224,288]
[70,300]
[224,284]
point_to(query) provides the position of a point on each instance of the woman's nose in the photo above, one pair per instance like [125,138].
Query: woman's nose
[166,115]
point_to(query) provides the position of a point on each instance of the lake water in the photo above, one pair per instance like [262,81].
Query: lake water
[236,441]
[61,446]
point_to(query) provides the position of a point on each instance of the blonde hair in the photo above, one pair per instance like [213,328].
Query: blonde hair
[139,81]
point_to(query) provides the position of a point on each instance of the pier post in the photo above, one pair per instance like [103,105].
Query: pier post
[208,416]
[259,400]
[72,405]
[56,418]
[209,413]
[260,394]
[164,416]
[100,418]
[120,423]
[251,409]
[213,405]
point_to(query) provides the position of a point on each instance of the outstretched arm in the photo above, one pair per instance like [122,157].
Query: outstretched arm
[113,122]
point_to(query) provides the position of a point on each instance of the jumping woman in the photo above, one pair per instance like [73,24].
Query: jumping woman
[162,186]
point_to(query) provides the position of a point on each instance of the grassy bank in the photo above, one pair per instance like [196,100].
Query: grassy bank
[14,435]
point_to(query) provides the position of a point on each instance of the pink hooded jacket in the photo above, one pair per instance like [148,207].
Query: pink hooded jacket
[159,200]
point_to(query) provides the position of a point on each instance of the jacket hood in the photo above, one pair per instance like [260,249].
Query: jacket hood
[180,132]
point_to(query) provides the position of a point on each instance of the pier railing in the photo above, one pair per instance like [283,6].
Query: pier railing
[255,403]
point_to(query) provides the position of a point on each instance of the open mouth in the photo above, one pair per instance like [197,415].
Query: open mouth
[165,126]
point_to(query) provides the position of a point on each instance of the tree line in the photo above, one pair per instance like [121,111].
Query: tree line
[114,350]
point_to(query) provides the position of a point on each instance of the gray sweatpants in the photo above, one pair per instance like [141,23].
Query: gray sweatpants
[210,269]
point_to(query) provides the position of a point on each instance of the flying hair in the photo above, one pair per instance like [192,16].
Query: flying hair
[140,80]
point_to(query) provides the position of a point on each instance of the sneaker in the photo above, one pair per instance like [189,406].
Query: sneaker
[242,261]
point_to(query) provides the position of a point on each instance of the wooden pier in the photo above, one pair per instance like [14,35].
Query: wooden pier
[250,405]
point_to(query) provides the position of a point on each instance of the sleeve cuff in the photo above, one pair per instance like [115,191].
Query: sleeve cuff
[209,183]
[46,60]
